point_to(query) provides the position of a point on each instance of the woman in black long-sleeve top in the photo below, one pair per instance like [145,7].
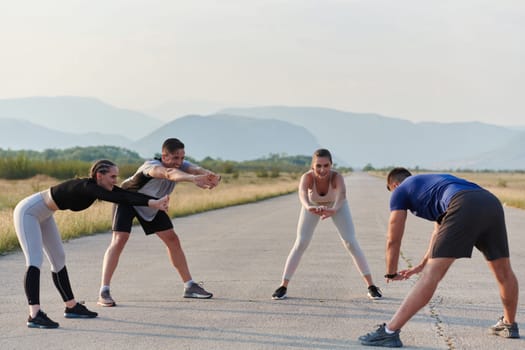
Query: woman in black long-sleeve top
[37,233]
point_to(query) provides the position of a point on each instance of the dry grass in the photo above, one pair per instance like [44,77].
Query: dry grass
[12,191]
[186,199]
[508,187]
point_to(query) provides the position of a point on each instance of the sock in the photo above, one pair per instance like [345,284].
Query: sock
[104,288]
[188,284]
[388,331]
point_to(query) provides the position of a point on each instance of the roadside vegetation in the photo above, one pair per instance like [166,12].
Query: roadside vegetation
[72,162]
[187,199]
[23,173]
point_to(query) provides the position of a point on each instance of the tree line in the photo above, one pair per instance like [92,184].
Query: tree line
[76,161]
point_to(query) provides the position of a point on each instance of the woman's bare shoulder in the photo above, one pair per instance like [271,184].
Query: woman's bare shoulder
[308,177]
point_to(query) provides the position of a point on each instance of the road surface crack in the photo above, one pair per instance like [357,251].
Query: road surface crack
[438,323]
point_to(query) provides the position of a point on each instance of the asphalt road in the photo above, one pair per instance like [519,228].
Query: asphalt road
[239,253]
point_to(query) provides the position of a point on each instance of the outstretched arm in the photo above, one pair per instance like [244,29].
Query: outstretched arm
[396,228]
[213,179]
[199,176]
[340,197]
[304,184]
[121,196]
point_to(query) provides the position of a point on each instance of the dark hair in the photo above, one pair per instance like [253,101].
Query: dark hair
[171,145]
[397,175]
[322,152]
[100,166]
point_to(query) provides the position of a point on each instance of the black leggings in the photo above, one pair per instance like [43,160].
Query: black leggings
[32,285]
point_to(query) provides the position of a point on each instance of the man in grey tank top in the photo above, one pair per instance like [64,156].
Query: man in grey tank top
[154,177]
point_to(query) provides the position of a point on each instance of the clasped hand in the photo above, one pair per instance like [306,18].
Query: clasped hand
[207,181]
[161,203]
[321,210]
[407,273]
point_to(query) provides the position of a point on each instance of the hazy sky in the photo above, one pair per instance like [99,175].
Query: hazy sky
[436,60]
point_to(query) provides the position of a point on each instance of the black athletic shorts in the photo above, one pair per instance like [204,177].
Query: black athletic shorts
[123,216]
[473,219]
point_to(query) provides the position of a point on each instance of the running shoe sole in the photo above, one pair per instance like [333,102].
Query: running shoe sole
[197,296]
[69,315]
[41,326]
[101,303]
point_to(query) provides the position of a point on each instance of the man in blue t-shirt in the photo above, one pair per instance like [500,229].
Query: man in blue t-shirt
[465,216]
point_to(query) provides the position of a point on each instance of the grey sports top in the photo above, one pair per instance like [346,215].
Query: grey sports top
[143,183]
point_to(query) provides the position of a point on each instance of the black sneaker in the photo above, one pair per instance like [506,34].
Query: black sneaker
[41,321]
[374,293]
[505,330]
[79,311]
[381,338]
[280,293]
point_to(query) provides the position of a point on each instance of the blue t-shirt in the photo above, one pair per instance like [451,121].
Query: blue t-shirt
[428,195]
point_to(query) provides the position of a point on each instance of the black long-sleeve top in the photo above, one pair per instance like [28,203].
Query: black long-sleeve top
[79,194]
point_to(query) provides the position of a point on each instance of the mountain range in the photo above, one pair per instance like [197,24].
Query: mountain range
[20,134]
[355,139]
[384,141]
[230,137]
[71,114]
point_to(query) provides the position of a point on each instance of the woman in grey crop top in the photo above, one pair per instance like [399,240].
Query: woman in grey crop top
[322,193]
[37,233]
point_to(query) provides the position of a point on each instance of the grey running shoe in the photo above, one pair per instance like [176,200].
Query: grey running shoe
[381,338]
[79,311]
[196,291]
[105,299]
[41,321]
[505,330]
[374,293]
[280,293]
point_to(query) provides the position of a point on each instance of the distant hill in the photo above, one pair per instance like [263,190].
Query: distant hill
[24,135]
[360,139]
[230,137]
[239,134]
[79,115]
[509,156]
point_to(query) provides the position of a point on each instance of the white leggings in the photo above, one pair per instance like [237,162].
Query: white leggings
[37,232]
[305,230]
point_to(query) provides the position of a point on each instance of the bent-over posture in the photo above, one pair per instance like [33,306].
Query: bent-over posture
[38,233]
[465,216]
